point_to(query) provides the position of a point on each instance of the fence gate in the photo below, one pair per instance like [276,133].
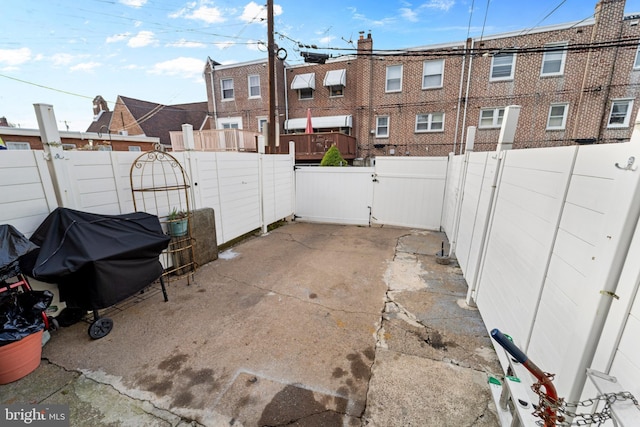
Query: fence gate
[405,192]
[409,191]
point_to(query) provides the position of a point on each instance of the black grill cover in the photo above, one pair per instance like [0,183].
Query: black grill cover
[96,260]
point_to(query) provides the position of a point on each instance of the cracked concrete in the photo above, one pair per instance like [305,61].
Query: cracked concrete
[310,325]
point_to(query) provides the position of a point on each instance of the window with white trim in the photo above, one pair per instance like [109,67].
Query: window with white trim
[557,119]
[503,66]
[18,145]
[553,59]
[262,122]
[227,89]
[229,123]
[491,117]
[254,86]
[134,148]
[620,113]
[432,72]
[382,127]
[432,122]
[394,78]
[636,63]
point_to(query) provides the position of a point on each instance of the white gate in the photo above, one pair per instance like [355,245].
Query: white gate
[403,191]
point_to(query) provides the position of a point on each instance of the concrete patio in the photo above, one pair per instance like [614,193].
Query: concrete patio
[309,325]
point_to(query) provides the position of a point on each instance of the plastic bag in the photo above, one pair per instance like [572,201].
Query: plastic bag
[21,314]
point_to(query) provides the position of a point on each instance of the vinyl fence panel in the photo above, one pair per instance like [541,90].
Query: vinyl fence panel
[409,191]
[338,195]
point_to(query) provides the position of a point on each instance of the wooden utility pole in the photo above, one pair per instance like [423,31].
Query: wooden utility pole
[271,121]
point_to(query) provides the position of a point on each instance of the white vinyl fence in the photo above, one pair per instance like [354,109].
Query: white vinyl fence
[546,240]
[98,182]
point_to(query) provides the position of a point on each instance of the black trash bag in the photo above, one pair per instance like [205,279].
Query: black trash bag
[13,245]
[21,314]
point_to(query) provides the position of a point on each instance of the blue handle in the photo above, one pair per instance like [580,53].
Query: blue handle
[508,345]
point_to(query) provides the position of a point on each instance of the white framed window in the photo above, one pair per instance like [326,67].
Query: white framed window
[254,86]
[306,93]
[557,116]
[229,123]
[620,113]
[105,148]
[432,72]
[382,127]
[227,89]
[262,122]
[336,81]
[68,146]
[491,117]
[134,148]
[636,63]
[18,145]
[503,66]
[335,91]
[553,59]
[431,122]
[394,78]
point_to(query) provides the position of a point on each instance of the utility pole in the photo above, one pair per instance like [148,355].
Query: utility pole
[271,121]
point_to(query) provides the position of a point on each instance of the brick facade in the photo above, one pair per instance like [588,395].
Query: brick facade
[587,66]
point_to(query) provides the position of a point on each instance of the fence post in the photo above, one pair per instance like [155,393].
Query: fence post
[261,186]
[471,136]
[66,195]
[508,128]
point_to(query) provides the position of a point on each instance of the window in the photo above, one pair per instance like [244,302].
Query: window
[262,122]
[134,148]
[432,72]
[18,145]
[254,86]
[227,88]
[557,116]
[620,113]
[69,146]
[491,117]
[382,126]
[105,148]
[502,66]
[306,93]
[432,122]
[336,91]
[229,123]
[394,78]
[335,80]
[553,59]
[636,64]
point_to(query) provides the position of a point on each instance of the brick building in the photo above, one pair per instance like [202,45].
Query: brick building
[576,83]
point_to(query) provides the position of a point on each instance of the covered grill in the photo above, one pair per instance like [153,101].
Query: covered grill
[97,260]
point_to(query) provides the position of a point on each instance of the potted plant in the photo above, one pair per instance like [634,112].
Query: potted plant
[178,222]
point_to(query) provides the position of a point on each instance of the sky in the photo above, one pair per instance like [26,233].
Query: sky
[66,52]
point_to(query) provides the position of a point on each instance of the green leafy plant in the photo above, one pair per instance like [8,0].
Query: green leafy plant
[333,158]
[176,214]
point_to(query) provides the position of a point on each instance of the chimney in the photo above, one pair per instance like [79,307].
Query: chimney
[365,45]
[99,105]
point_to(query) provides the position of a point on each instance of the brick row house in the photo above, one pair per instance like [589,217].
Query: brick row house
[576,83]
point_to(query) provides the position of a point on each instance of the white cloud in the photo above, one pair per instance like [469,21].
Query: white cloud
[142,39]
[254,12]
[133,3]
[444,5]
[86,66]
[185,43]
[210,15]
[326,40]
[14,57]
[183,67]
[61,59]
[409,14]
[118,37]
[224,45]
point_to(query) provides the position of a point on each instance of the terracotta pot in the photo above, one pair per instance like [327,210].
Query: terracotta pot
[20,358]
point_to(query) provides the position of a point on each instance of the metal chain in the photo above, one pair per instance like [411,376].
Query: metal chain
[561,408]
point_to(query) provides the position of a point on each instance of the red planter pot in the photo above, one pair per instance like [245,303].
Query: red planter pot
[20,358]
